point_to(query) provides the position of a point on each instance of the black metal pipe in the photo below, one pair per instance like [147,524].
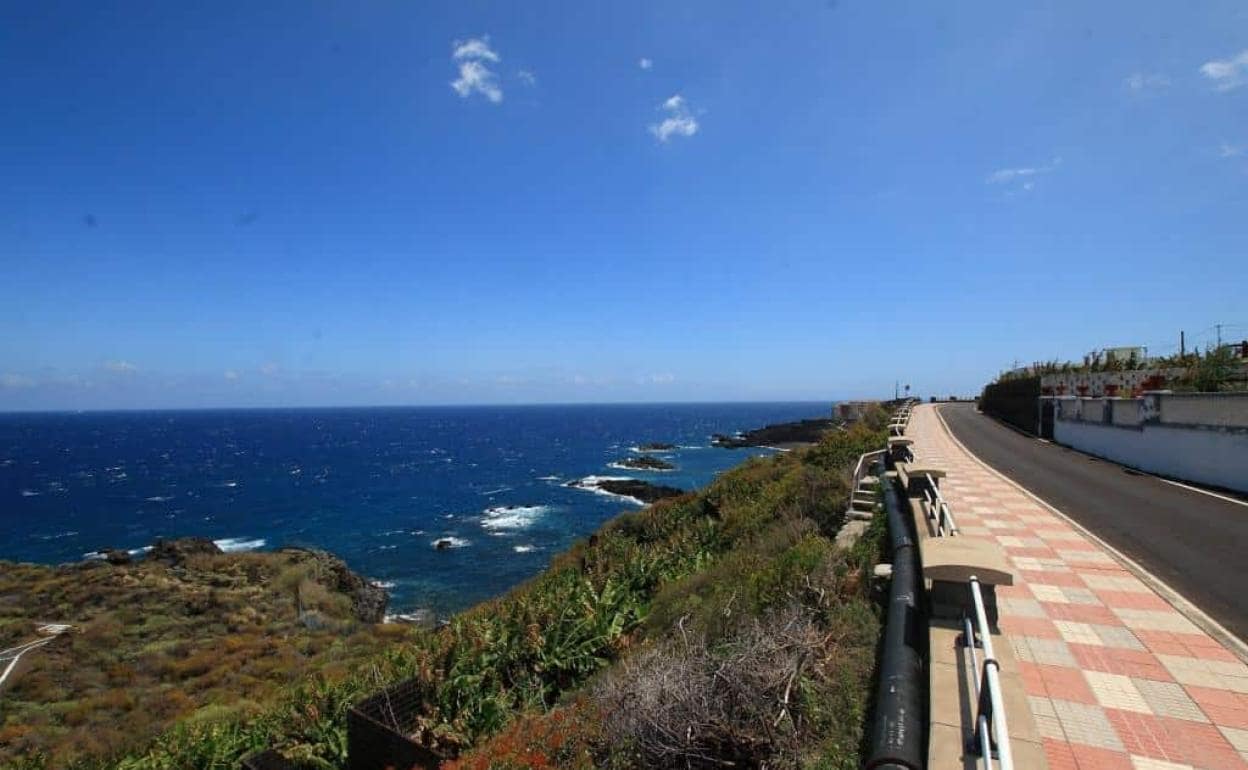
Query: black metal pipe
[897,739]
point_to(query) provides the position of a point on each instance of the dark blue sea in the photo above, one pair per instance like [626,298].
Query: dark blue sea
[376,486]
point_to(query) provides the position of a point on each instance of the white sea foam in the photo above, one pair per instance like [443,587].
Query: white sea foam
[591,484]
[649,450]
[548,478]
[418,616]
[386,584]
[512,516]
[619,466]
[159,499]
[523,548]
[237,544]
[59,535]
[29,493]
[138,551]
[496,491]
[452,542]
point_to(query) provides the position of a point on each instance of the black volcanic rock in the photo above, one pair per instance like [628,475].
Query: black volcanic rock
[176,551]
[634,488]
[646,463]
[800,432]
[656,446]
[117,556]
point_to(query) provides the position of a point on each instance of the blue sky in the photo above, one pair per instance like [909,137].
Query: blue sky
[297,203]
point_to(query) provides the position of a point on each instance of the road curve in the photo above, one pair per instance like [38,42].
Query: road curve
[1196,543]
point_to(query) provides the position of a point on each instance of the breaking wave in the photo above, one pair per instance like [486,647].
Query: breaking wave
[512,516]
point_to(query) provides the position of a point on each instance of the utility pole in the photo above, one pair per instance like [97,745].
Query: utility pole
[896,389]
[1219,328]
[1182,345]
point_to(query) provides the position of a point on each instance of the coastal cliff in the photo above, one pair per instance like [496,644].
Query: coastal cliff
[185,630]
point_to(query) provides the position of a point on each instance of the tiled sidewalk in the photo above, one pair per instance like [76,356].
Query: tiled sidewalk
[1116,677]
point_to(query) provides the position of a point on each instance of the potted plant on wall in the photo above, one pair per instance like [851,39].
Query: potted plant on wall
[1082,389]
[1111,389]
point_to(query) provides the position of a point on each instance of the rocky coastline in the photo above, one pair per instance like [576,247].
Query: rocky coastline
[785,435]
[642,491]
[644,463]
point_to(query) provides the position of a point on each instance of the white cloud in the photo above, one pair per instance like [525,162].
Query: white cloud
[645,63]
[473,57]
[270,369]
[1230,150]
[1227,74]
[475,48]
[1022,176]
[1140,82]
[15,381]
[230,375]
[526,77]
[679,121]
[120,367]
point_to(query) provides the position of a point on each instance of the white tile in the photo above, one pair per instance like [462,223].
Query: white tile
[1116,691]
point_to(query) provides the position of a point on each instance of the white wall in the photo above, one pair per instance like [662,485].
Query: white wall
[1206,455]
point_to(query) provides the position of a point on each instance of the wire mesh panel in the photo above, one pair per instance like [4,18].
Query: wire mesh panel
[379,731]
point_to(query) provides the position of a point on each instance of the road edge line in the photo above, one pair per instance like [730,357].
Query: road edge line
[1181,604]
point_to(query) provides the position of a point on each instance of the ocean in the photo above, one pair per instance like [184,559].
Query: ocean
[377,486]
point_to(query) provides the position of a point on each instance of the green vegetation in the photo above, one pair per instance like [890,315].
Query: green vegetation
[205,639]
[734,598]
[1210,371]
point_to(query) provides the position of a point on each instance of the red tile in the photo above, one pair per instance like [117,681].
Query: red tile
[1041,627]
[1065,683]
[1068,579]
[1060,755]
[1203,745]
[1226,708]
[1016,591]
[1033,681]
[1115,660]
[1092,758]
[1082,613]
[1146,735]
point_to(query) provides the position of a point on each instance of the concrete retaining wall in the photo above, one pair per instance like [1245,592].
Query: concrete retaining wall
[1196,437]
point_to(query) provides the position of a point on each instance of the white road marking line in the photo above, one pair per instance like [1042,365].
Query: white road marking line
[1172,482]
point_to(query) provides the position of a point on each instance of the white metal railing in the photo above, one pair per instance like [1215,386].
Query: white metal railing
[862,460]
[938,510]
[991,729]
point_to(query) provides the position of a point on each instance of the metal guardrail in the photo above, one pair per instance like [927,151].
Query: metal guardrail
[862,465]
[991,738]
[938,510]
[991,730]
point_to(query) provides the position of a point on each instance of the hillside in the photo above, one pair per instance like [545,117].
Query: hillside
[184,635]
[715,628]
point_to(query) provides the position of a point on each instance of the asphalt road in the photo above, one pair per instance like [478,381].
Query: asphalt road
[1195,543]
